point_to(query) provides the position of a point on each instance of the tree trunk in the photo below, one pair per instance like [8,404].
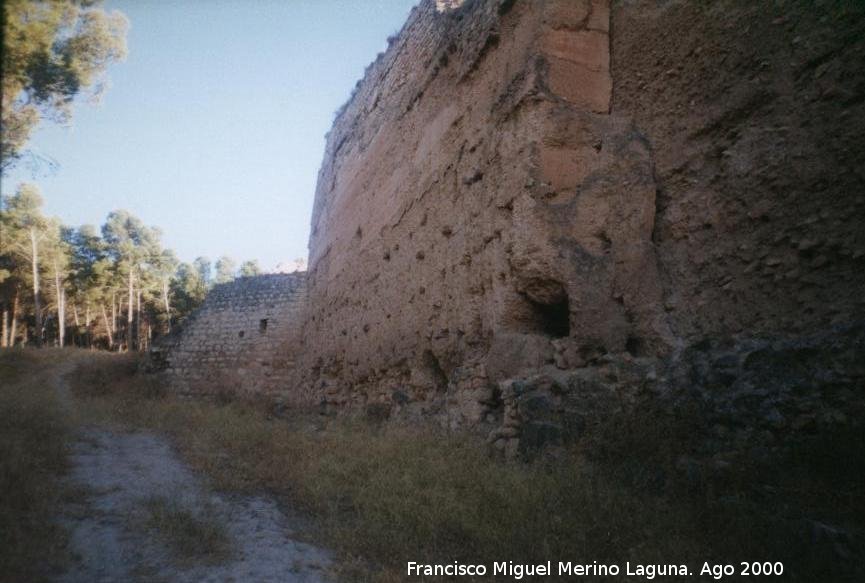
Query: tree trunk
[129,313]
[62,316]
[87,326]
[167,305]
[138,320]
[114,312]
[61,306]
[76,334]
[13,332]
[119,332]
[108,328]
[34,248]
[4,339]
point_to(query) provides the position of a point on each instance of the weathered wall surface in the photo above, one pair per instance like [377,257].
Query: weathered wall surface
[755,115]
[480,212]
[542,188]
[243,339]
[531,213]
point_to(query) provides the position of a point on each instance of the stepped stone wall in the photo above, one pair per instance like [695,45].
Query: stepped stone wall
[243,339]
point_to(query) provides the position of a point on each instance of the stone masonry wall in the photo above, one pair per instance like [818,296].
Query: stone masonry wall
[242,340]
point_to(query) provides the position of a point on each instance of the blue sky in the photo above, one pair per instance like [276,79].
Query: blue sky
[213,128]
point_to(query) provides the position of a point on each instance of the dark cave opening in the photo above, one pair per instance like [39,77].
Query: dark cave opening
[552,319]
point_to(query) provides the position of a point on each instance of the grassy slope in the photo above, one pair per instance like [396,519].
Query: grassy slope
[393,494]
[34,431]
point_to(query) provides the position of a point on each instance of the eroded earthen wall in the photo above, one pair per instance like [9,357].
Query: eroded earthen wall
[755,113]
[504,196]
[480,212]
[242,340]
[533,213]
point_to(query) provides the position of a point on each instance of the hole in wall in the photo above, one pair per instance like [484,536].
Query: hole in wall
[262,325]
[635,346]
[542,307]
[241,334]
[553,319]
[606,242]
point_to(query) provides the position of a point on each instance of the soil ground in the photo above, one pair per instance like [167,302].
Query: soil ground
[122,479]
[105,475]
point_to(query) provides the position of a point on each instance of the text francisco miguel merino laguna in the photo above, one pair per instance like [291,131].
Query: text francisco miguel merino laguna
[593,569]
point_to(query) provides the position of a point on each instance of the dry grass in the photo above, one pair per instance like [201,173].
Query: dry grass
[192,534]
[34,431]
[392,494]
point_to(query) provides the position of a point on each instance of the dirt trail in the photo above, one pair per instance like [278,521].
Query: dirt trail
[123,475]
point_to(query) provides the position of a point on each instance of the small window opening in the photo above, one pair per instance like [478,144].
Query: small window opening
[553,319]
[262,325]
[543,308]
[240,334]
[634,346]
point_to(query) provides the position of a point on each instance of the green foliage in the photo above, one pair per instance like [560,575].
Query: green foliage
[188,289]
[21,215]
[129,240]
[250,268]
[88,260]
[225,269]
[203,267]
[25,230]
[52,50]
[87,277]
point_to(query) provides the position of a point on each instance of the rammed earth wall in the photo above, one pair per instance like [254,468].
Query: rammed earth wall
[480,213]
[575,193]
[243,338]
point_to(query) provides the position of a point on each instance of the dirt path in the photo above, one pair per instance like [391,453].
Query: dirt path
[144,516]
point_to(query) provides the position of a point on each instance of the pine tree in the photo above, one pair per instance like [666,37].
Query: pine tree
[250,268]
[52,51]
[24,231]
[225,269]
